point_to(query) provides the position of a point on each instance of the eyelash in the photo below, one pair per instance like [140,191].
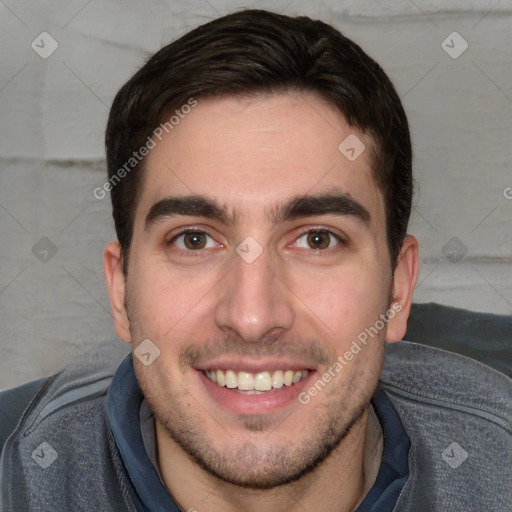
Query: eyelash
[195,253]
[341,241]
[187,231]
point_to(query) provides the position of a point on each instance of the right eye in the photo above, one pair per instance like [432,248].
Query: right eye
[193,240]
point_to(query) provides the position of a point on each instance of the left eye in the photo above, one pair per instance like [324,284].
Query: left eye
[317,239]
[193,241]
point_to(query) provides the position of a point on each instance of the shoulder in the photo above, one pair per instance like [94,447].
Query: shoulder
[457,413]
[26,406]
[13,403]
[88,377]
[62,439]
[436,374]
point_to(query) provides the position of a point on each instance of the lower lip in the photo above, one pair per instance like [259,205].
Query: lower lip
[266,403]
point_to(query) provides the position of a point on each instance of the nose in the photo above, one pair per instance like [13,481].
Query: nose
[253,301]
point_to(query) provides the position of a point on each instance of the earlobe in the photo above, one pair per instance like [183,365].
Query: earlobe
[404,281]
[116,283]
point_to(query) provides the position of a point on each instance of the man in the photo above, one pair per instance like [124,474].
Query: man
[260,175]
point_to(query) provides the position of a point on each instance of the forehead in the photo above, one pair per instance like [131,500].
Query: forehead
[254,152]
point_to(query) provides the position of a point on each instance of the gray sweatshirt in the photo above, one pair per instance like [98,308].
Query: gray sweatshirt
[59,454]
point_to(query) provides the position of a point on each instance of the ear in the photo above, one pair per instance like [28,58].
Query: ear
[404,282]
[116,282]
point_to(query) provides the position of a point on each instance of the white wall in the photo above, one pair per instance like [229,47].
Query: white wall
[53,113]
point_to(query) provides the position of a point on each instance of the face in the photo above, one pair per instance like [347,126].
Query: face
[258,258]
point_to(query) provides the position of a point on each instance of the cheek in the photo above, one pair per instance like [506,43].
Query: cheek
[162,300]
[346,300]
[150,307]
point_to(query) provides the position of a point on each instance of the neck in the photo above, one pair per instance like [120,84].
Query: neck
[338,484]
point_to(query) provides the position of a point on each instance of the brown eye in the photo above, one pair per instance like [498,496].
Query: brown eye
[194,240]
[319,239]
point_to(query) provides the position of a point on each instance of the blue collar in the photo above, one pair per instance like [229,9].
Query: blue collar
[124,401]
[123,408]
[394,468]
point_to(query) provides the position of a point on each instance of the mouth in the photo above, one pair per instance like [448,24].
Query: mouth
[260,392]
[255,383]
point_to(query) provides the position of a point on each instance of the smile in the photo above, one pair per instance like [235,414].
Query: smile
[255,383]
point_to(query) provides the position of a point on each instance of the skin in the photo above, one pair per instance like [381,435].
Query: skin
[295,303]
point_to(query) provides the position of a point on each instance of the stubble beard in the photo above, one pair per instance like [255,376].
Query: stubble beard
[258,464]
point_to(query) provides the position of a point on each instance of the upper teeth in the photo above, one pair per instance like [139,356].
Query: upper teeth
[263,381]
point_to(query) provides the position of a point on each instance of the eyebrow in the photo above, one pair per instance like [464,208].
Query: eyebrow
[341,204]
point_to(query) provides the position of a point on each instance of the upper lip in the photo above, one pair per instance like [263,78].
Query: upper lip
[253,365]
